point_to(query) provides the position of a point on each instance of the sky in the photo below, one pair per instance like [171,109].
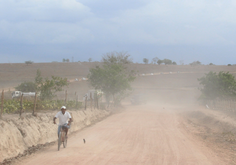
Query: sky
[181,30]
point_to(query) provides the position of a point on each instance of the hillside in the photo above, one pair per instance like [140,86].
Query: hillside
[183,77]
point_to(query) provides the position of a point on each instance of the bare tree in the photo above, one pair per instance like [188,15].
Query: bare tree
[154,60]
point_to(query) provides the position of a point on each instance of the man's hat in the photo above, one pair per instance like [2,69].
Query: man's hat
[63,107]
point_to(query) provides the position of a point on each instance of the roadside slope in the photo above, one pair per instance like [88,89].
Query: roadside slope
[19,134]
[215,129]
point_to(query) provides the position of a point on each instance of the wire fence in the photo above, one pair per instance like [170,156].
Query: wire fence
[32,104]
[222,104]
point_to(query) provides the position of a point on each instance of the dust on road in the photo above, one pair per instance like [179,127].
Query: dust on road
[138,135]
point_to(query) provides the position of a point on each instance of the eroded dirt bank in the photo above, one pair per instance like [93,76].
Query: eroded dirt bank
[215,129]
[19,134]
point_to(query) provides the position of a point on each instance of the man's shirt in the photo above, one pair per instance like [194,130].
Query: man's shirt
[63,119]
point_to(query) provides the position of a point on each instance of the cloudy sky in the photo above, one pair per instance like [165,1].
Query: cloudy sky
[180,30]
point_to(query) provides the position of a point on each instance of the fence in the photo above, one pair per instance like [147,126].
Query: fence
[92,102]
[222,104]
[32,104]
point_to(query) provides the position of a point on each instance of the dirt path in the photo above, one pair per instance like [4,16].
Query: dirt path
[138,135]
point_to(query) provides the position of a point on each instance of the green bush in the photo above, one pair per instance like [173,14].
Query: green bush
[13,106]
[221,85]
[26,87]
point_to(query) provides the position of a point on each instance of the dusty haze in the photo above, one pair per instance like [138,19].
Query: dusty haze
[172,128]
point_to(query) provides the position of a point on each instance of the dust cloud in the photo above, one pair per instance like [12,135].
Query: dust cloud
[170,127]
[169,89]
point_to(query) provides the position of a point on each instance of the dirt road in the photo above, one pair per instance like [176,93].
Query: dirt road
[137,135]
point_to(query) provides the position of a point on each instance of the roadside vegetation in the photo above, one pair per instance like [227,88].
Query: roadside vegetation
[218,90]
[14,106]
[113,77]
[45,86]
[221,85]
[46,89]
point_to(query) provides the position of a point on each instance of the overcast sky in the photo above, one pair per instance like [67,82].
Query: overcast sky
[180,30]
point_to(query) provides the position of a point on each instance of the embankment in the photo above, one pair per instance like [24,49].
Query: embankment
[19,134]
[215,129]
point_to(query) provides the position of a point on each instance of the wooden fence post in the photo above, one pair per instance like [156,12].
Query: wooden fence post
[233,105]
[97,101]
[75,101]
[2,102]
[65,97]
[35,101]
[21,104]
[91,101]
[85,105]
[225,104]
[94,101]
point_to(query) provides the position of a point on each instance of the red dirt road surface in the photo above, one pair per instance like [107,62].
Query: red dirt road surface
[137,135]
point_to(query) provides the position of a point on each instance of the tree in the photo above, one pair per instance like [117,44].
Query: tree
[26,87]
[48,87]
[38,80]
[113,77]
[28,62]
[167,61]
[195,63]
[90,60]
[145,61]
[116,57]
[174,63]
[51,86]
[154,60]
[211,64]
[65,60]
[217,85]
[159,62]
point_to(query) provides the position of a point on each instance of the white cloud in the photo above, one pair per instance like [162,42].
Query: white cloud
[44,32]
[44,21]
[43,10]
[146,22]
[164,22]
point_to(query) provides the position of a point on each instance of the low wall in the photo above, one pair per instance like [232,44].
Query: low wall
[18,134]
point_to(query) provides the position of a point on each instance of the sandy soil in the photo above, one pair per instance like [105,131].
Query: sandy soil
[171,129]
[137,135]
[215,129]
